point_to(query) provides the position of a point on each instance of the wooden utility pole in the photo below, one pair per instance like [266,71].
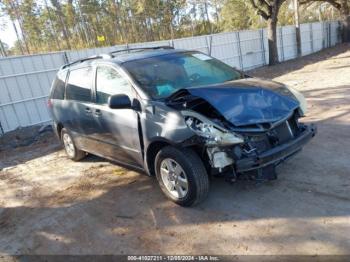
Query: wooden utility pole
[297,26]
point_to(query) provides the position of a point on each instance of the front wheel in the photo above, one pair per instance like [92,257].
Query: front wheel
[181,175]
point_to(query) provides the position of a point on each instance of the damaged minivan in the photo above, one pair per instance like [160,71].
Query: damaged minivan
[179,115]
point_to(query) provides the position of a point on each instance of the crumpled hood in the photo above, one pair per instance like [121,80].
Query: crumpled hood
[249,101]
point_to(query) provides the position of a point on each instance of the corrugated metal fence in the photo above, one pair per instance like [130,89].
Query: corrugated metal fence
[25,80]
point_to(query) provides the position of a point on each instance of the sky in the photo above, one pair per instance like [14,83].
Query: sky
[7,35]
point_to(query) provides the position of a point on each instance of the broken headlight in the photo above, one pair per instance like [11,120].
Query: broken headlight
[214,134]
[300,97]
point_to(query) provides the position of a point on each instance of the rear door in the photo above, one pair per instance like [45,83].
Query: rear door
[117,129]
[57,96]
[78,105]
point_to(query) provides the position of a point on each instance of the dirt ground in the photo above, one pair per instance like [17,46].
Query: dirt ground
[51,205]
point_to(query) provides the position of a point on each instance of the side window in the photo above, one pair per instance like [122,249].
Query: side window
[79,84]
[59,85]
[110,82]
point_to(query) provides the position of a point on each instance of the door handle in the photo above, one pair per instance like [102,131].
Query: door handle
[88,110]
[98,112]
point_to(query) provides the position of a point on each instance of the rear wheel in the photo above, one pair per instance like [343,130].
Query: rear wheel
[182,175]
[72,151]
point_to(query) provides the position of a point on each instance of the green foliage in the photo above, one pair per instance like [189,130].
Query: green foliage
[286,13]
[239,15]
[49,25]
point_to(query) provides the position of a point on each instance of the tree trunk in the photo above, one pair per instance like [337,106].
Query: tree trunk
[297,27]
[19,41]
[53,30]
[208,19]
[272,40]
[19,18]
[61,18]
[345,21]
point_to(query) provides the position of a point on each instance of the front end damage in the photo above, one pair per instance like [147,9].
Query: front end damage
[251,150]
[252,155]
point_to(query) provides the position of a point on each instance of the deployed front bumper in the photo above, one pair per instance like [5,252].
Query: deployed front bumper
[277,154]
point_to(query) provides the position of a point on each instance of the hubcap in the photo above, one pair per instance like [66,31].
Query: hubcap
[174,178]
[68,145]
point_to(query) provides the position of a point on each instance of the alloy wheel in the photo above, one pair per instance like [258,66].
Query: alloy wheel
[68,145]
[174,178]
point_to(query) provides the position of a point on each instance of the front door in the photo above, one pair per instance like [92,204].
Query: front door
[116,129]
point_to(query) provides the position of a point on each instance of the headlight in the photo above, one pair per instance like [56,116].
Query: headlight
[214,134]
[300,97]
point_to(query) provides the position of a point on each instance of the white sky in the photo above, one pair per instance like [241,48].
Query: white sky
[7,35]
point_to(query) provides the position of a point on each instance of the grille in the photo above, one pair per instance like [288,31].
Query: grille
[280,134]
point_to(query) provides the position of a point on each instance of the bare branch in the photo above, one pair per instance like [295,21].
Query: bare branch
[332,2]
[260,11]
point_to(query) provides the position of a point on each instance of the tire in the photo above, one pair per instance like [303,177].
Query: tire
[72,151]
[171,178]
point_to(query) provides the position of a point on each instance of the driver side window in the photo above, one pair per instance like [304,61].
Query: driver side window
[110,82]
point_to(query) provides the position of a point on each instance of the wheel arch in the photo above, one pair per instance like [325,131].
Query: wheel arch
[58,129]
[152,150]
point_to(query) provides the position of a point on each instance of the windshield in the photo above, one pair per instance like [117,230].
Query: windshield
[163,75]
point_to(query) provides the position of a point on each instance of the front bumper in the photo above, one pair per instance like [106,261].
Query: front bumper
[277,154]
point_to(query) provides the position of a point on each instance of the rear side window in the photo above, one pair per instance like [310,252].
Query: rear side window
[110,82]
[79,84]
[59,85]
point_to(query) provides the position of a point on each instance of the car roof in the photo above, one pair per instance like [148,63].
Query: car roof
[126,57]
[121,58]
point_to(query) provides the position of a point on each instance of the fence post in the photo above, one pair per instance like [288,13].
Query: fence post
[1,130]
[65,57]
[281,41]
[261,31]
[209,40]
[329,35]
[323,44]
[311,37]
[326,35]
[240,57]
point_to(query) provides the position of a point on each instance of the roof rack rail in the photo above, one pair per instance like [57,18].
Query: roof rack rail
[141,48]
[110,54]
[102,56]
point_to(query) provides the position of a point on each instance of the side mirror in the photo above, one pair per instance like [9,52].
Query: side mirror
[119,102]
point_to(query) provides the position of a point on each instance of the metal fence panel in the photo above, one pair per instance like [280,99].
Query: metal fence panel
[305,36]
[225,47]
[289,43]
[25,80]
[280,44]
[150,44]
[317,32]
[250,42]
[335,34]
[30,63]
[198,43]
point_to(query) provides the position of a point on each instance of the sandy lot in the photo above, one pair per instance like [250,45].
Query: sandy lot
[51,205]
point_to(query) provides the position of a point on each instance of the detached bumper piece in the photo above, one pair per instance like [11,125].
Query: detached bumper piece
[262,165]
